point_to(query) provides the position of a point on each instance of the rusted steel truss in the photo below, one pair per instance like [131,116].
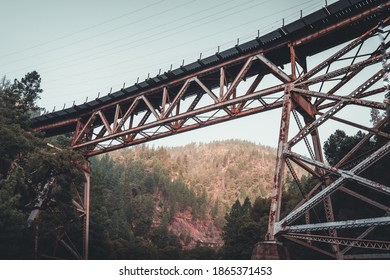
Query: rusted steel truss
[288,76]
[140,121]
[313,96]
[338,97]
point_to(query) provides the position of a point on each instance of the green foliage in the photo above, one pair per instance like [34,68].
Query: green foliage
[124,200]
[12,223]
[201,253]
[14,141]
[144,191]
[17,100]
[35,179]
[240,232]
[339,144]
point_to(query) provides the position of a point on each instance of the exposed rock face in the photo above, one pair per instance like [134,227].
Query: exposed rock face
[195,231]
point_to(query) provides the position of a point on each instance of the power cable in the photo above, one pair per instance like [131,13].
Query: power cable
[171,47]
[83,30]
[163,35]
[192,42]
[98,35]
[121,39]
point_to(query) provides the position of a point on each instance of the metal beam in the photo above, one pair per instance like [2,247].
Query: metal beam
[381,221]
[238,78]
[345,99]
[178,96]
[365,199]
[340,24]
[199,111]
[366,244]
[199,124]
[346,174]
[369,129]
[277,189]
[308,245]
[275,69]
[367,257]
[336,184]
[336,108]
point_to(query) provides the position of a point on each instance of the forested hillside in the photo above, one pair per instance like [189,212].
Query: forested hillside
[186,190]
[171,202]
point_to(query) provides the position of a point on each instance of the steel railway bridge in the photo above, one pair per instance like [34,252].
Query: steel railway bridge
[327,68]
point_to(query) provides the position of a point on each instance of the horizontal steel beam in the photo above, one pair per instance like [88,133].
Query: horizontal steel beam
[345,99]
[57,124]
[367,256]
[381,221]
[309,245]
[366,244]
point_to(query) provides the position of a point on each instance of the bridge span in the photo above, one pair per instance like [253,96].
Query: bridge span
[286,70]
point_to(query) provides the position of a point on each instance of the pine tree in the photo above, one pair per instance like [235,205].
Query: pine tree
[35,179]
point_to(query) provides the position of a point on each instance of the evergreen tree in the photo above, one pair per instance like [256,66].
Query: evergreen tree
[240,232]
[35,179]
[338,144]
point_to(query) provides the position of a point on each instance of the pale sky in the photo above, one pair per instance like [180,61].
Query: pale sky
[84,47]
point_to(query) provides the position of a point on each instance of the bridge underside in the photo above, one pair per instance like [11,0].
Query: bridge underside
[286,71]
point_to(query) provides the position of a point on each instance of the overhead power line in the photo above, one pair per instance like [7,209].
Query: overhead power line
[95,36]
[175,46]
[164,35]
[83,29]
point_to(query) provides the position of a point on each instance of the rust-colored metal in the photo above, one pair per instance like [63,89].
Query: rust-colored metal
[121,131]
[131,141]
[276,198]
[57,124]
[340,24]
[275,70]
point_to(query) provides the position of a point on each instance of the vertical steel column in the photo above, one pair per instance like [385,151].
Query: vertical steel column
[386,68]
[277,190]
[87,188]
[328,207]
[293,56]
[274,215]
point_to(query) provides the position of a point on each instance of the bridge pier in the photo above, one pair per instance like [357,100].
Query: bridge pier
[270,250]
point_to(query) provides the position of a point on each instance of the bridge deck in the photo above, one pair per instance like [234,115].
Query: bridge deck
[310,35]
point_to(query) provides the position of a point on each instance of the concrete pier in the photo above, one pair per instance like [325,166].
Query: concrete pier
[270,250]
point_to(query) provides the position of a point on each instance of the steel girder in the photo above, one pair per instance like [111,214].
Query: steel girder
[350,242]
[101,133]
